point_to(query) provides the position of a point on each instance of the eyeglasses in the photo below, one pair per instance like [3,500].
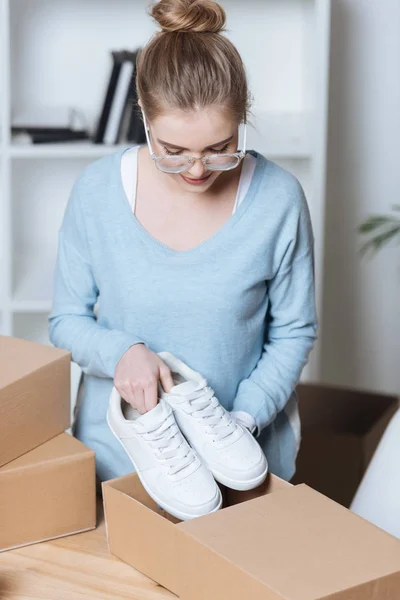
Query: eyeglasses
[182,162]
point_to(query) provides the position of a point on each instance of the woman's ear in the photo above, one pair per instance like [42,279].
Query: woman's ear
[140,103]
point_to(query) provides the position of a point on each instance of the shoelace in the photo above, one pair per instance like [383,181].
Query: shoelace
[202,404]
[169,444]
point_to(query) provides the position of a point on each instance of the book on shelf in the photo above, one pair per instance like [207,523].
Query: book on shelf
[117,59]
[48,125]
[118,104]
[47,117]
[119,119]
[130,100]
[135,131]
[48,136]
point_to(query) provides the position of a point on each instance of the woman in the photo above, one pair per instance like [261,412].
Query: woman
[189,245]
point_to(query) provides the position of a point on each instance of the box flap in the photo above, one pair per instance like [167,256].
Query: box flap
[374,435]
[297,543]
[339,409]
[23,357]
[138,532]
[62,447]
[331,463]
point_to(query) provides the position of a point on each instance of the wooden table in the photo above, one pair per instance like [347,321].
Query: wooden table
[77,567]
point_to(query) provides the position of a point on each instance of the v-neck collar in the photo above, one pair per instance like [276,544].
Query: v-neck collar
[208,244]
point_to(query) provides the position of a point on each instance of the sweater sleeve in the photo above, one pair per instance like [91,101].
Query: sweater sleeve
[72,322]
[290,331]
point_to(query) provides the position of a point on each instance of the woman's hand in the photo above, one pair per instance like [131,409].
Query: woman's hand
[137,375]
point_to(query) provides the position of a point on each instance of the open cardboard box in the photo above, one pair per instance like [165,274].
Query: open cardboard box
[341,429]
[48,492]
[34,395]
[279,542]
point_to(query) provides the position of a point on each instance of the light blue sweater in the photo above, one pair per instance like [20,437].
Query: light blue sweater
[239,308]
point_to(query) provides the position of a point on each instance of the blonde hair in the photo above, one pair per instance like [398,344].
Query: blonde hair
[189,65]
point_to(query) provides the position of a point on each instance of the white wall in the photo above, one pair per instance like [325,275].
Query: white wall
[360,339]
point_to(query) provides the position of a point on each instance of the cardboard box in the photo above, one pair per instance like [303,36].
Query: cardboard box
[341,429]
[34,395]
[48,492]
[289,543]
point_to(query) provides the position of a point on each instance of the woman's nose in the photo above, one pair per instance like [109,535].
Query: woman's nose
[197,170]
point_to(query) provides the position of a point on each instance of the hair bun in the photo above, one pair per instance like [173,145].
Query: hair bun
[197,16]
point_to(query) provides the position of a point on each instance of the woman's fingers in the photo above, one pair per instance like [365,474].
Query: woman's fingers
[138,400]
[151,396]
[166,377]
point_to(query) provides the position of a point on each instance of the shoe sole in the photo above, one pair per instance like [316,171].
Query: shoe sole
[175,513]
[241,486]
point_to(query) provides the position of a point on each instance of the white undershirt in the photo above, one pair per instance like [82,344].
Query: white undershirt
[129,166]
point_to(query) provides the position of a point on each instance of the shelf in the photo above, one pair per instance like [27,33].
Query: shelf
[274,134]
[72,150]
[47,69]
[31,306]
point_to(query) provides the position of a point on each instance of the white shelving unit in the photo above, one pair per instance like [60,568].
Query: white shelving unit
[56,53]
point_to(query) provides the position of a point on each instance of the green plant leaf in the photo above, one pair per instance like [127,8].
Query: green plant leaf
[374,222]
[382,239]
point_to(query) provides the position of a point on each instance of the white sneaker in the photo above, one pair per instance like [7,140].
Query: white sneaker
[229,450]
[169,469]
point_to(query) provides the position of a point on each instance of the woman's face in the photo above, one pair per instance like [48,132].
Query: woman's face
[206,131]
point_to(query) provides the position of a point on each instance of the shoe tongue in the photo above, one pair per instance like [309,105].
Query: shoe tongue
[156,416]
[186,387]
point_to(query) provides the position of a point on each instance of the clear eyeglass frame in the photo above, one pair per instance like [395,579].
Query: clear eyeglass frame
[183,162]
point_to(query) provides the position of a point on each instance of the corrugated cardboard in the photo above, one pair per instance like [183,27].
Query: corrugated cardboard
[131,515]
[341,429]
[295,545]
[48,492]
[34,395]
[290,543]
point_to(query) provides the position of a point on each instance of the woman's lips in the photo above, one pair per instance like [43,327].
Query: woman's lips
[192,181]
